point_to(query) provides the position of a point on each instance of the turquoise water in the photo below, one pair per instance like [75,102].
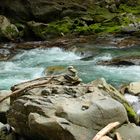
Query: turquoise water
[31,64]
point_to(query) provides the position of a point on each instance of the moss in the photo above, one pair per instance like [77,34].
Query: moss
[113,29]
[11,32]
[130,9]
[133,117]
[55,28]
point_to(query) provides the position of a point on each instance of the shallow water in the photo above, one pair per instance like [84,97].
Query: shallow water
[31,64]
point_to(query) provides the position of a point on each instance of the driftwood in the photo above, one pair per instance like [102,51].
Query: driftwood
[27,88]
[105,130]
[118,136]
[105,138]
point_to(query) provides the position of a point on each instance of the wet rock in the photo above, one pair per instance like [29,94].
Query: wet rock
[121,61]
[128,42]
[8,30]
[5,54]
[129,131]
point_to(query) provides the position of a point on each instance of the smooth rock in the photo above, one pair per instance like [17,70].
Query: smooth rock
[134,88]
[129,132]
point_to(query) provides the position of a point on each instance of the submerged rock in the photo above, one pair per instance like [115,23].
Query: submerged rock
[122,61]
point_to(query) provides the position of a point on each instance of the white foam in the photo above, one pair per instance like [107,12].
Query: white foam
[131,98]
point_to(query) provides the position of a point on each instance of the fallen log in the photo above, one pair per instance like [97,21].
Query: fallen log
[105,130]
[26,88]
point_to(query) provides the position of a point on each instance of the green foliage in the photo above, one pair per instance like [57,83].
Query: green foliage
[113,29]
[11,32]
[59,27]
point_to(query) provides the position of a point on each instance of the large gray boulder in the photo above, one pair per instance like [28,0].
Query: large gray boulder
[63,112]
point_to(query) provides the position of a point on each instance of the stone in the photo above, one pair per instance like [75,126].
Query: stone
[5,54]
[121,61]
[71,112]
[6,132]
[71,76]
[7,29]
[129,132]
[4,106]
[134,88]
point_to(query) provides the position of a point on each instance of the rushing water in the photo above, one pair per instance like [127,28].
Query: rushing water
[31,64]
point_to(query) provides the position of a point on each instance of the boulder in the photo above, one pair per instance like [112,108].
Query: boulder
[134,88]
[56,111]
[129,132]
[131,88]
[8,30]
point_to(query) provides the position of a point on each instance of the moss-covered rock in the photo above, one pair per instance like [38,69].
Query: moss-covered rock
[8,30]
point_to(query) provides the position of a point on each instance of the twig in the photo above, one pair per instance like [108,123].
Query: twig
[26,88]
[105,130]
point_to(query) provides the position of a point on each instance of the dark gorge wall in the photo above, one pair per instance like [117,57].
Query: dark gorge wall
[46,10]
[43,19]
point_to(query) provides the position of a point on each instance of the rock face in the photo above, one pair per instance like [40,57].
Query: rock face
[63,112]
[45,10]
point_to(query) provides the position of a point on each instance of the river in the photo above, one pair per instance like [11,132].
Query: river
[31,64]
